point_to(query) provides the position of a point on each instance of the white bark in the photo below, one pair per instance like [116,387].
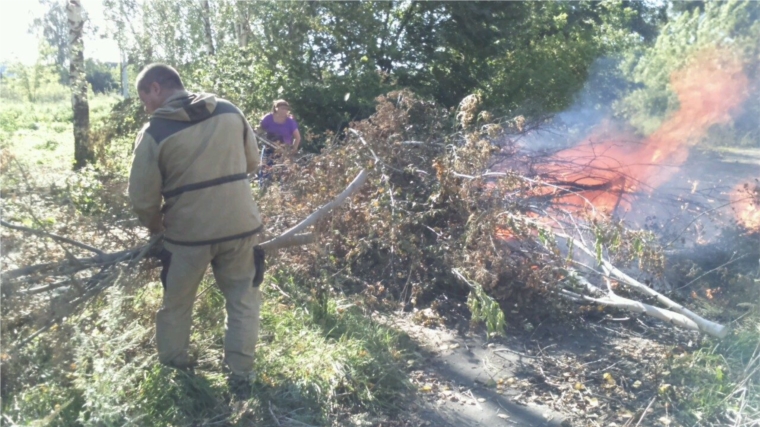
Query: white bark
[709,327]
[282,242]
[82,151]
[206,11]
[242,23]
[124,76]
[293,233]
[611,299]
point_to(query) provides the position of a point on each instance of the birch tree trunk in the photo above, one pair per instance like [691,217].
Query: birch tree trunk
[242,23]
[206,12]
[124,75]
[82,151]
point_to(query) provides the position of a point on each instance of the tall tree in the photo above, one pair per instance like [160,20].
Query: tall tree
[524,57]
[242,24]
[54,29]
[206,16]
[83,153]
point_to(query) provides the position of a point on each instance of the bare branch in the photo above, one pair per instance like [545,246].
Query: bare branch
[711,328]
[291,235]
[52,236]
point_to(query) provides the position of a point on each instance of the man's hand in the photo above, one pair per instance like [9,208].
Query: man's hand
[156,225]
[156,251]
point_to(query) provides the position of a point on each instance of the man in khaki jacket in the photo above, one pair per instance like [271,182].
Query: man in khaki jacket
[189,179]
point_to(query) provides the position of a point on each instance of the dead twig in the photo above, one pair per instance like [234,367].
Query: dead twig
[645,411]
[274,417]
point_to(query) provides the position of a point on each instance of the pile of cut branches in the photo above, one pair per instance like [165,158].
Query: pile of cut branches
[429,205]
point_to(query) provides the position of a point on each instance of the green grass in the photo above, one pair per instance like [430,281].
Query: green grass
[720,378]
[319,360]
[41,134]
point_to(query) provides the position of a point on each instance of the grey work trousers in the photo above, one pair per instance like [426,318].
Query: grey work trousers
[233,266]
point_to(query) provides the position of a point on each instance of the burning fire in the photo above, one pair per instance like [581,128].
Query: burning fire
[605,169]
[746,205]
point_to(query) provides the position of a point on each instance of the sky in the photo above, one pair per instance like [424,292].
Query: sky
[18,45]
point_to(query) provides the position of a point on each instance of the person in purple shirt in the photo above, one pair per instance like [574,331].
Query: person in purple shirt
[280,126]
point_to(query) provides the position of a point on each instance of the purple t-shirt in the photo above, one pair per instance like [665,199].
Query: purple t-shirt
[282,132]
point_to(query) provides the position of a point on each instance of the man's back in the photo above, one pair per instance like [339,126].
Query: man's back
[194,157]
[196,152]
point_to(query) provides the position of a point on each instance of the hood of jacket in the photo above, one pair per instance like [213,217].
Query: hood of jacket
[187,107]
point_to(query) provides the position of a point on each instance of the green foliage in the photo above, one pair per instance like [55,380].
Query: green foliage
[36,83]
[487,310]
[363,368]
[53,28]
[717,379]
[113,135]
[319,106]
[733,26]
[85,189]
[529,57]
[332,59]
[102,77]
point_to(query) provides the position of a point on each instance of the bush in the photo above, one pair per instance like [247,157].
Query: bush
[103,78]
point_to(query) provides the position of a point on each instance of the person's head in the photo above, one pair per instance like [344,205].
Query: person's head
[155,83]
[281,107]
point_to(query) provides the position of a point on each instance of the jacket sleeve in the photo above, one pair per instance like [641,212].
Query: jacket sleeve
[251,148]
[145,183]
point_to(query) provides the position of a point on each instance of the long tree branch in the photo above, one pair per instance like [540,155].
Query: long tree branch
[637,307]
[611,299]
[79,265]
[711,328]
[52,236]
[292,235]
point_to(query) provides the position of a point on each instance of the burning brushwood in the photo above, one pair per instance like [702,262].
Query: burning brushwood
[111,268]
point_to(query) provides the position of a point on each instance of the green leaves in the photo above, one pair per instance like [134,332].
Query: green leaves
[485,309]
[521,56]
[731,25]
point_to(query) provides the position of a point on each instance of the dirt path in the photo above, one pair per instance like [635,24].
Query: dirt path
[599,370]
[465,381]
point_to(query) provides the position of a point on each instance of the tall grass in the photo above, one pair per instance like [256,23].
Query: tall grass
[719,383]
[41,133]
[319,360]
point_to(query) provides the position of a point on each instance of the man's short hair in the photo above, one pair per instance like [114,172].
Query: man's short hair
[165,75]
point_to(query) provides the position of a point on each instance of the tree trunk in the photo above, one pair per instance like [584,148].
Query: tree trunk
[207,27]
[242,24]
[82,151]
[124,75]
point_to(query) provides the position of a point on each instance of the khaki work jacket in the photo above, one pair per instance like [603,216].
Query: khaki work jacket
[190,171]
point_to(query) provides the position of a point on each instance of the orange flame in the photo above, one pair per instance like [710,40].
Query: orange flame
[610,165]
[746,205]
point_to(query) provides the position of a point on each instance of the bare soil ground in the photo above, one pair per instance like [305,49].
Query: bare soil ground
[601,371]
